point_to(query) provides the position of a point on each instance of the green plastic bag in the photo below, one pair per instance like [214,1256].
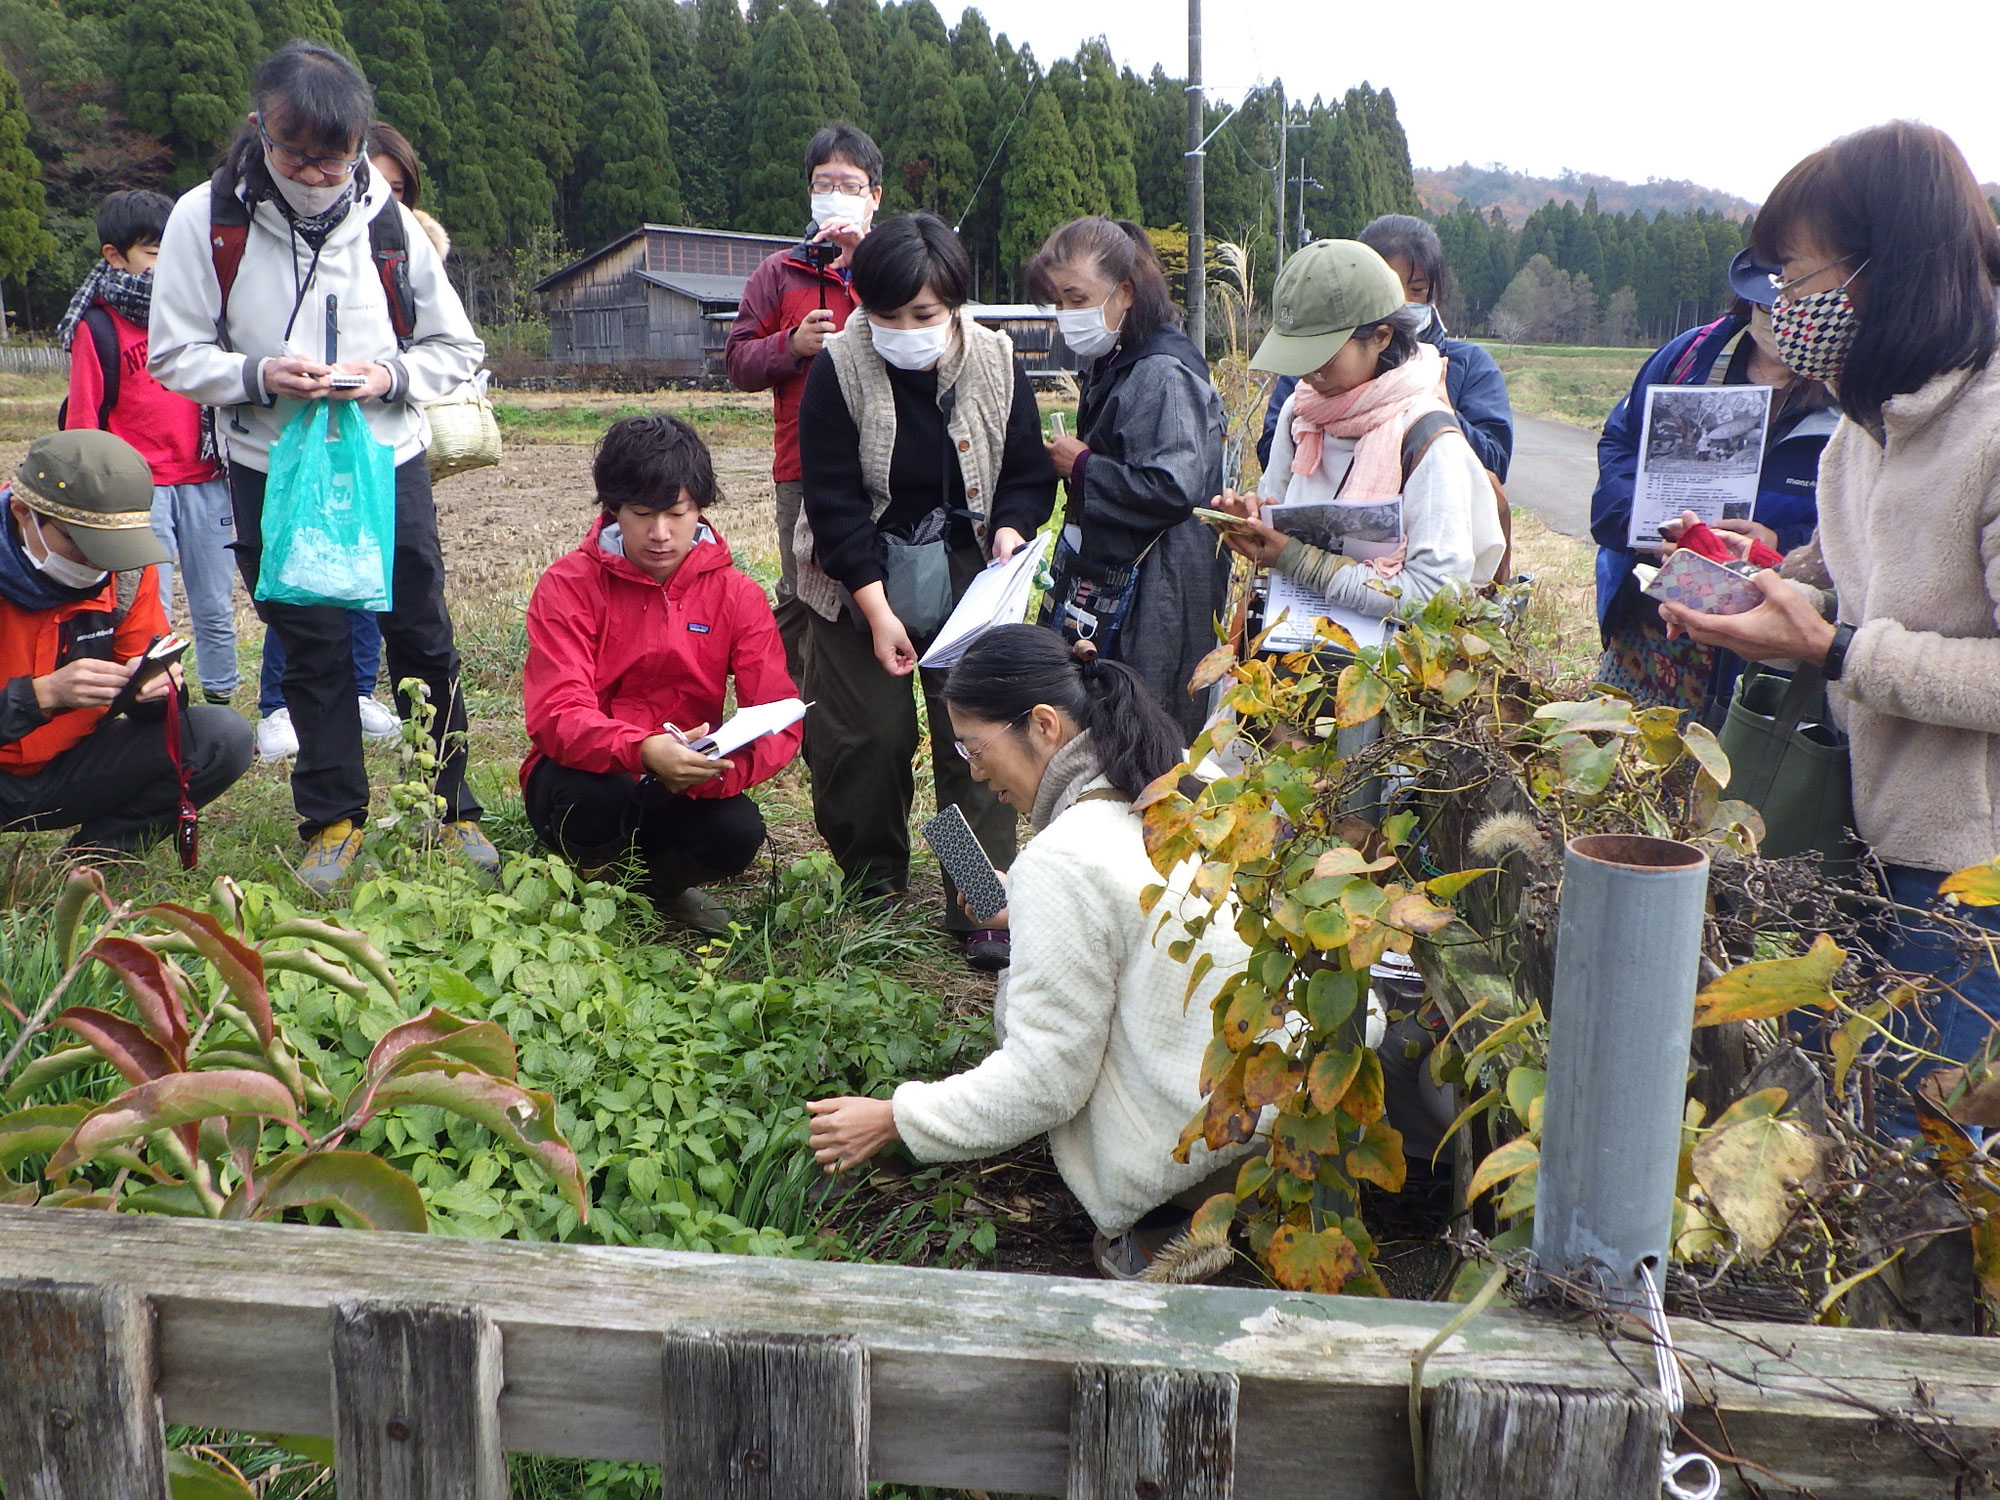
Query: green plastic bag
[329,512]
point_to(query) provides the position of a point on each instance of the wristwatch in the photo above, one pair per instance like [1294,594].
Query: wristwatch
[1836,654]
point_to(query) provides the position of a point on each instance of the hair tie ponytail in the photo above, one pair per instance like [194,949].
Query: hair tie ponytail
[1084,653]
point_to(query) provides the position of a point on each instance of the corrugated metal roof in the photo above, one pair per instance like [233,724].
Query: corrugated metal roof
[701,288]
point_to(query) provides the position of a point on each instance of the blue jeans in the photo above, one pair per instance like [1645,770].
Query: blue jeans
[197,524]
[365,637]
[1955,1021]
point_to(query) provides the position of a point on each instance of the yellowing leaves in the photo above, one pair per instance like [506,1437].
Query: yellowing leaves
[1359,696]
[1502,1163]
[1304,1260]
[1772,987]
[1977,886]
[1754,1172]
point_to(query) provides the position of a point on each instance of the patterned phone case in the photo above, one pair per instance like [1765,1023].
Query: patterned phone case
[958,849]
[1690,579]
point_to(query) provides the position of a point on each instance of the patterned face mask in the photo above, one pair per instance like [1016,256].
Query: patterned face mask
[1814,333]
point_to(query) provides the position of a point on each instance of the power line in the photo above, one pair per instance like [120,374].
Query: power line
[969,202]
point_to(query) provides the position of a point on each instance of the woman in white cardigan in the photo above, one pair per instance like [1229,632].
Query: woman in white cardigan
[1100,1042]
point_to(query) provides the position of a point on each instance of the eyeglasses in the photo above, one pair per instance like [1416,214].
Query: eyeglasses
[327,166]
[855,185]
[1784,288]
[973,752]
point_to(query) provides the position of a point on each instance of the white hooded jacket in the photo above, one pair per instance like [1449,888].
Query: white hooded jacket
[278,276]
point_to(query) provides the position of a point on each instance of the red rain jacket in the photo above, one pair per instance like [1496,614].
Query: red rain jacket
[758,355]
[612,656]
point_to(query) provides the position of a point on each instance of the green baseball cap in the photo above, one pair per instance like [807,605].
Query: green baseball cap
[1326,291]
[101,490]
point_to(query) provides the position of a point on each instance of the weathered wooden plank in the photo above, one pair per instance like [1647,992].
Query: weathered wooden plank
[1151,1434]
[416,1393]
[78,1417]
[1498,1440]
[779,1417]
[970,1373]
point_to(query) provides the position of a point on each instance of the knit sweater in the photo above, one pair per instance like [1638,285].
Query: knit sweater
[1909,528]
[1100,1051]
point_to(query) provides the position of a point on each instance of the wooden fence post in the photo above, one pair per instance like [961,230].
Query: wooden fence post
[1152,1434]
[765,1417]
[78,1416]
[416,1391]
[1497,1440]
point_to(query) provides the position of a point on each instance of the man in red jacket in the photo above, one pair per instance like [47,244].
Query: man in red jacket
[632,641]
[794,301]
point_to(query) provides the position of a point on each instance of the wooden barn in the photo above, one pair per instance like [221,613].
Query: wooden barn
[665,295]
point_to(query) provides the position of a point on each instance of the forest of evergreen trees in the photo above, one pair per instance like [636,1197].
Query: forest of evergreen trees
[548,127]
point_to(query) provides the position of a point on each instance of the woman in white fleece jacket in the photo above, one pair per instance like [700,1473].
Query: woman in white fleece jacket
[1099,1048]
[1890,291]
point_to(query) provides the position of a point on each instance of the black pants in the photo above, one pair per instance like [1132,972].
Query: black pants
[861,739]
[594,817]
[117,787]
[329,780]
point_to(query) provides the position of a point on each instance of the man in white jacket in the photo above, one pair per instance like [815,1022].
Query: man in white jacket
[249,324]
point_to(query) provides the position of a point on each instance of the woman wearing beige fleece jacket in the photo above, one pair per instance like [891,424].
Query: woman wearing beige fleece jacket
[1103,1037]
[1890,291]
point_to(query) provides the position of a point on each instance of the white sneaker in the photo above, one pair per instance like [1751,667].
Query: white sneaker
[378,722]
[276,739]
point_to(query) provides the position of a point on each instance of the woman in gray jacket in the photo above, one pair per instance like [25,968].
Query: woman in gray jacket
[1134,570]
[1889,290]
[274,290]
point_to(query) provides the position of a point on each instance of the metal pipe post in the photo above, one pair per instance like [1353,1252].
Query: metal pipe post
[1197,218]
[1628,952]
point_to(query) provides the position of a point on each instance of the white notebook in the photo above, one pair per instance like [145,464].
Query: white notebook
[998,596]
[748,724]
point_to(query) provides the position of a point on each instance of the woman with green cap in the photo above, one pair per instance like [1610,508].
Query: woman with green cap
[1368,428]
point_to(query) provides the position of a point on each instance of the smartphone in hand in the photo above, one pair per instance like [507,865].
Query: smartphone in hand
[164,651]
[964,859]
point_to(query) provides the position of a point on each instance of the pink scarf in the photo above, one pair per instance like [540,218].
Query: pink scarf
[1375,415]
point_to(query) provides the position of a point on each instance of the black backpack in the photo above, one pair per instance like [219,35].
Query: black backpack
[104,338]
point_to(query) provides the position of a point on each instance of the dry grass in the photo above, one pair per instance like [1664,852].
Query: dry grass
[1560,628]
[1577,385]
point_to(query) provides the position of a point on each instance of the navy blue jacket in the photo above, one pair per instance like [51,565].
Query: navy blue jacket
[1787,488]
[1472,383]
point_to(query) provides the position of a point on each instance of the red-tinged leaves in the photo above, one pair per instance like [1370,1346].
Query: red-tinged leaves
[364,1191]
[154,993]
[120,1042]
[1378,1158]
[1363,1099]
[526,1118]
[178,1099]
[240,966]
[84,885]
[1345,861]
[1331,1075]
[37,1132]
[1359,696]
[1226,1120]
[1507,1161]
[1305,1260]
[1269,1075]
[1414,913]
[440,1035]
[1212,668]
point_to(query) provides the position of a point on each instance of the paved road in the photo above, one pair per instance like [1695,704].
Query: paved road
[1553,473]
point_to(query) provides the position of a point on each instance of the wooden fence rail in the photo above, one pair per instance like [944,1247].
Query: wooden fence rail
[426,1358]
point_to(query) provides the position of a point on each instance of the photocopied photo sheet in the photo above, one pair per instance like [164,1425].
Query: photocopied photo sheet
[1701,449]
[1361,529]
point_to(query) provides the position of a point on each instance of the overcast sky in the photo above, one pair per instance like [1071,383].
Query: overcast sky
[1728,96]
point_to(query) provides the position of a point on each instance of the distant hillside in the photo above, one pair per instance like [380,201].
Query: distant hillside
[1517,194]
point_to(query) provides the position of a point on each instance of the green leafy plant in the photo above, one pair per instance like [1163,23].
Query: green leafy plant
[223,1116]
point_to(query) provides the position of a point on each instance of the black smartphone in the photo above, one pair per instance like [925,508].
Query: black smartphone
[964,859]
[164,651]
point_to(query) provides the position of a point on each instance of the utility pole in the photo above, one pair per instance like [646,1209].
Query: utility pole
[1197,217]
[1278,224]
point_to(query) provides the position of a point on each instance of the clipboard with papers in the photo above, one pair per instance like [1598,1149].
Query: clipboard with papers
[998,596]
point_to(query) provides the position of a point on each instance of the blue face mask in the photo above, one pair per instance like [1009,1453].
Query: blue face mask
[1424,313]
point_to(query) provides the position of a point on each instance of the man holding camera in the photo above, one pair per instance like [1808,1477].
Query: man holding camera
[79,615]
[794,302]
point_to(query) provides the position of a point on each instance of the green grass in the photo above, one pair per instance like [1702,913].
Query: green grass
[582,418]
[1566,384]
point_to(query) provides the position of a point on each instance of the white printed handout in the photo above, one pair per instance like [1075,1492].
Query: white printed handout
[748,724]
[1701,449]
[998,596]
[1361,529]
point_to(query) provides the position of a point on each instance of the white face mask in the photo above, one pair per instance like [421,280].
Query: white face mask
[1424,314]
[57,569]
[307,202]
[1085,331]
[841,208]
[911,348]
